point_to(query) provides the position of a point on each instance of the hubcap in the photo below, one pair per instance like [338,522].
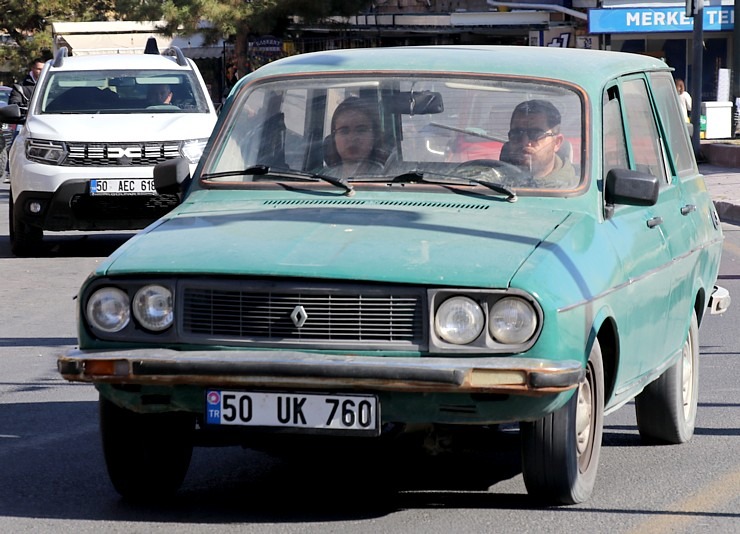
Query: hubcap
[584,411]
[687,374]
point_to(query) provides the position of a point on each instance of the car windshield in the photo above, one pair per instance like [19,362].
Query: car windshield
[525,135]
[4,96]
[121,91]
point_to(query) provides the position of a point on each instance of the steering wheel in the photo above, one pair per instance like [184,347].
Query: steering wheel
[495,170]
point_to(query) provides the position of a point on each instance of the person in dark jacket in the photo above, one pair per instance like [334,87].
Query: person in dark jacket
[21,93]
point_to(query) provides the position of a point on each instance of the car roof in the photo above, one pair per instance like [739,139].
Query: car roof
[119,61]
[580,66]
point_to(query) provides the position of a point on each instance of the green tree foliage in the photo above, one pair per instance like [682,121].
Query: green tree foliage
[28,26]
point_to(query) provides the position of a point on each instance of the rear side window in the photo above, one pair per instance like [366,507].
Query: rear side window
[674,126]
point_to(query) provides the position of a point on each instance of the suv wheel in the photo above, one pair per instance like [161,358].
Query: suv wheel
[25,240]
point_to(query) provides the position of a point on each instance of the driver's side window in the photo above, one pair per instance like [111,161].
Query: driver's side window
[614,142]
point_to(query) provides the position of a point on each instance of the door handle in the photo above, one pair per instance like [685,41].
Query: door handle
[655,221]
[688,208]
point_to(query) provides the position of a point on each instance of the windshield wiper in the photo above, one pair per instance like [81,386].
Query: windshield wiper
[262,170]
[420,176]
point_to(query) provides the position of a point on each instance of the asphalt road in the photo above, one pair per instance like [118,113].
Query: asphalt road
[53,479]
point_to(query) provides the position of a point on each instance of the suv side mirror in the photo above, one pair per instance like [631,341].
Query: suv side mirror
[12,114]
[172,176]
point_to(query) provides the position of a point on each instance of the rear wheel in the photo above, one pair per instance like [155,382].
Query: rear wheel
[560,452]
[25,240]
[147,455]
[666,408]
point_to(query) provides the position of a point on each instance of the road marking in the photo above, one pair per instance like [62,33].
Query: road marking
[680,516]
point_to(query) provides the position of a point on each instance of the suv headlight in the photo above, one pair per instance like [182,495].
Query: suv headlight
[49,152]
[193,149]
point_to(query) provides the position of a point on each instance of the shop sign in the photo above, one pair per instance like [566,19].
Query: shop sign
[666,19]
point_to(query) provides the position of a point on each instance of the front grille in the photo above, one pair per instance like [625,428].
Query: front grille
[120,154]
[86,207]
[368,316]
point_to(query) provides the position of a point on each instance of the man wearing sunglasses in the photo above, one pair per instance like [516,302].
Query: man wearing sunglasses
[534,141]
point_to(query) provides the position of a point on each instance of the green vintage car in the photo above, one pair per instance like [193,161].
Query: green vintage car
[387,239]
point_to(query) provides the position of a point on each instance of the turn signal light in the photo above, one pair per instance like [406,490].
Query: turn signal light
[106,368]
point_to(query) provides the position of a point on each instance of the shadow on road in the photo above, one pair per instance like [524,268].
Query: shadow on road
[53,468]
[68,245]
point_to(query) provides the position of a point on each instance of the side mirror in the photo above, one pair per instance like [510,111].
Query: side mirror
[631,188]
[172,176]
[12,114]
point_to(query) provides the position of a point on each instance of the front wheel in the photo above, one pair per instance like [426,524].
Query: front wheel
[25,240]
[666,408]
[560,452]
[147,455]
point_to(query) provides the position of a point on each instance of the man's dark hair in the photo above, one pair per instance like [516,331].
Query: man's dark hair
[36,60]
[539,106]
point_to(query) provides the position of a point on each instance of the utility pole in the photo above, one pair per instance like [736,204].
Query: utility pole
[695,9]
[735,93]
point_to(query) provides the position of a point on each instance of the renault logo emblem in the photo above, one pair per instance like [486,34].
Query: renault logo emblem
[299,316]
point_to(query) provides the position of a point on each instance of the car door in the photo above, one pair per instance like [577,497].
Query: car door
[641,300]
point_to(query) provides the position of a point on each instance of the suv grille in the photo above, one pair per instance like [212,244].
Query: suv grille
[361,317]
[124,154]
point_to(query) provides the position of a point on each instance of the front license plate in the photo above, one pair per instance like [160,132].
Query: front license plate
[338,414]
[133,186]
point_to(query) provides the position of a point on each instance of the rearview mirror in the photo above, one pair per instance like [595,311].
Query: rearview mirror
[417,103]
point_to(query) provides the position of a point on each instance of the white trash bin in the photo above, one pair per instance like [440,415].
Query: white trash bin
[719,119]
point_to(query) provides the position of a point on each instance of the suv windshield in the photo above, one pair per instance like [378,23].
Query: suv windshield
[518,133]
[121,91]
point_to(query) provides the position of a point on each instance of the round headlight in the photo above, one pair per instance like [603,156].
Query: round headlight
[512,321]
[108,309]
[459,320]
[153,307]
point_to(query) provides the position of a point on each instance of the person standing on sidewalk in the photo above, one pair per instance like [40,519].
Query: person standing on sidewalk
[684,98]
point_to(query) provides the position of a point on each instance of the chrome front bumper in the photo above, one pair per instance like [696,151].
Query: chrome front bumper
[288,369]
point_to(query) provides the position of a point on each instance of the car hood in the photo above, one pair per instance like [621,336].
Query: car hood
[457,242]
[135,127]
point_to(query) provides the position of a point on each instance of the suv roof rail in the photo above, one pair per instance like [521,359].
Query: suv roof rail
[151,46]
[175,51]
[59,57]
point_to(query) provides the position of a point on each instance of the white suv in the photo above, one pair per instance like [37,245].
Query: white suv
[93,131]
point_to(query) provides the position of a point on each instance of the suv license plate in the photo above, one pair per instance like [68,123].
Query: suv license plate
[337,414]
[117,186]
